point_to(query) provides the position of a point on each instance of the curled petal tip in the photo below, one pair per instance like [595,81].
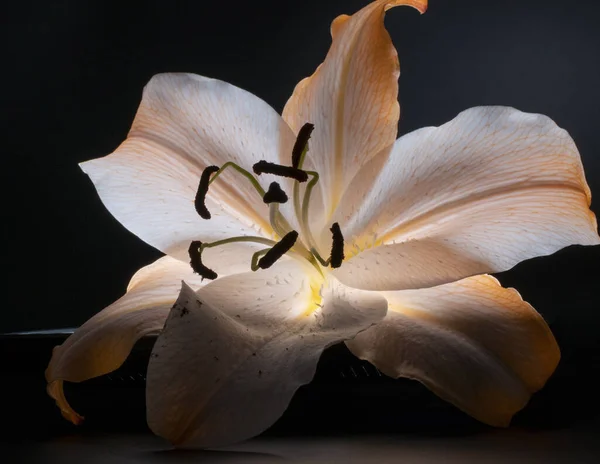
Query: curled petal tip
[420,5]
[55,390]
[75,418]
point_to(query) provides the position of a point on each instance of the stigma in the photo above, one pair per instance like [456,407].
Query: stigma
[297,244]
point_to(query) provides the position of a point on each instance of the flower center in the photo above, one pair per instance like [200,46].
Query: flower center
[289,242]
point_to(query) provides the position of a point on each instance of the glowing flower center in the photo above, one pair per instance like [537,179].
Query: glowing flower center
[288,243]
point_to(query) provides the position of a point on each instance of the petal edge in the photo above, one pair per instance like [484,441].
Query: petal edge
[472,342]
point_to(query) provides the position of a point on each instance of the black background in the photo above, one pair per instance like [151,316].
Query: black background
[72,79]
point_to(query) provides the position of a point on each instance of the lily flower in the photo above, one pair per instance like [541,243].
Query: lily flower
[298,240]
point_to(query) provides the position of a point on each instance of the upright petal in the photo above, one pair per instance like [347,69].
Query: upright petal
[352,99]
[483,192]
[184,124]
[103,343]
[232,355]
[473,343]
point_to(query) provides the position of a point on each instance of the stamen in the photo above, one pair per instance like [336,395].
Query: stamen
[263,167]
[278,221]
[316,254]
[298,154]
[275,194]
[195,253]
[243,172]
[278,250]
[199,201]
[337,246]
[302,214]
[305,204]
[301,145]
[255,257]
[243,238]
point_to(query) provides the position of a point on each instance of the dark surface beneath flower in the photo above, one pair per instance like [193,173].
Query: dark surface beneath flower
[574,445]
[349,413]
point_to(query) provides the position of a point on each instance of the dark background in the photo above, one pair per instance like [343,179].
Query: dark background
[72,79]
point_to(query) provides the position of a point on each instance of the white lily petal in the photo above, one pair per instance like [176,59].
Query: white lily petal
[184,124]
[103,343]
[472,342]
[487,190]
[232,355]
[352,99]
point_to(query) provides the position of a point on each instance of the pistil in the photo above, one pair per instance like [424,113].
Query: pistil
[275,194]
[289,243]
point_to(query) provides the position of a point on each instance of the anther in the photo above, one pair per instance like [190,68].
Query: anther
[199,201]
[275,194]
[337,246]
[301,144]
[196,261]
[278,250]
[263,167]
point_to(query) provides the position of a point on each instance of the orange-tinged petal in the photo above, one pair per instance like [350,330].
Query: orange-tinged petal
[472,342]
[232,354]
[481,193]
[352,99]
[185,123]
[103,343]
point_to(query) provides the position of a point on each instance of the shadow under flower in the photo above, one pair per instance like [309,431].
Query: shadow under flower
[216,456]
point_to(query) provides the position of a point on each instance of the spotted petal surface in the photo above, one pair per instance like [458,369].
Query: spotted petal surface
[231,356]
[103,343]
[185,123]
[352,99]
[472,342]
[491,188]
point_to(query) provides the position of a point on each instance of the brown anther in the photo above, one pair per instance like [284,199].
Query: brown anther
[199,201]
[263,167]
[337,246]
[278,250]
[194,251]
[301,143]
